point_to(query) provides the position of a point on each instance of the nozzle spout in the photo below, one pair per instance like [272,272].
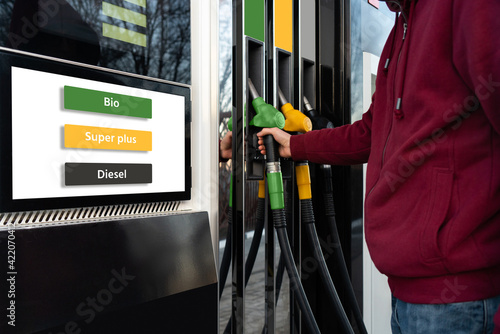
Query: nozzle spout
[282,98]
[253,91]
[307,105]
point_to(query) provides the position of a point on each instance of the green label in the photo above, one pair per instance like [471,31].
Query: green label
[254,19]
[106,103]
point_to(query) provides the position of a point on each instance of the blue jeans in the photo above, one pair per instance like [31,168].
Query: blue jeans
[457,318]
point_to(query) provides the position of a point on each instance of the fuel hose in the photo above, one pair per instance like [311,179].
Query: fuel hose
[276,197]
[307,213]
[339,255]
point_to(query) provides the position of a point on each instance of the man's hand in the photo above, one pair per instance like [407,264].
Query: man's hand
[226,146]
[280,136]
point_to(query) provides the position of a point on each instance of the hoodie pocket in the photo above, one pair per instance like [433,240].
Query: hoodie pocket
[435,219]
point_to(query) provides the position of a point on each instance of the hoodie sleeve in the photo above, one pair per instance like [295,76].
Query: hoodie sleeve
[345,145]
[476,52]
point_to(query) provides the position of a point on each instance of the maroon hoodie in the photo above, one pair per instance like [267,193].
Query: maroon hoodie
[432,142]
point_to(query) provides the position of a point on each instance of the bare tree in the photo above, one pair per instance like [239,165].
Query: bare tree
[167,53]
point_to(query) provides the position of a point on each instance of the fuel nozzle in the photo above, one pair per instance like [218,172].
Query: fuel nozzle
[318,122]
[269,117]
[295,121]
[266,116]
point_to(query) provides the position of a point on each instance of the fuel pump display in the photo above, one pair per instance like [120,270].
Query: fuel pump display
[98,133]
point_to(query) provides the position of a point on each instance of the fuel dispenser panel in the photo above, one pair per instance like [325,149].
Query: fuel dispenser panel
[76,136]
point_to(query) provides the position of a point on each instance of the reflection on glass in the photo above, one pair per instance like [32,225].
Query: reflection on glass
[225,107]
[147,37]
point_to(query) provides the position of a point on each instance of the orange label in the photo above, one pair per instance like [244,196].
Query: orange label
[97,138]
[283,24]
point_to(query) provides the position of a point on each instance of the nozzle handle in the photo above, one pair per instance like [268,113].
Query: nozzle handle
[272,149]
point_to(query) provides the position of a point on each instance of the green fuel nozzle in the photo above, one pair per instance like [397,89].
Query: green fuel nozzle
[318,122]
[295,121]
[269,117]
[266,116]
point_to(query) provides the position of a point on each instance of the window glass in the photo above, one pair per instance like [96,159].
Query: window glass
[146,37]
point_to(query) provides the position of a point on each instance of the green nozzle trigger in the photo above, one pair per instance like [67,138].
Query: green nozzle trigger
[267,115]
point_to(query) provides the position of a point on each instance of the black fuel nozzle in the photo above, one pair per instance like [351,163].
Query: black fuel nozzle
[318,122]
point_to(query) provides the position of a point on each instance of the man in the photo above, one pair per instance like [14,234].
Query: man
[432,142]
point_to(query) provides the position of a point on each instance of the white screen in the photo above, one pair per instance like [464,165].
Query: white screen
[38,138]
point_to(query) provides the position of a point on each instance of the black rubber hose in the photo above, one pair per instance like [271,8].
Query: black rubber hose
[226,256]
[295,284]
[308,220]
[327,189]
[339,255]
[344,275]
[279,277]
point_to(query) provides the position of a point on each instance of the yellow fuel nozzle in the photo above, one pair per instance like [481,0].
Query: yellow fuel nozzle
[295,121]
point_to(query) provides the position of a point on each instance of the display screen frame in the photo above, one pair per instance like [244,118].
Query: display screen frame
[11,58]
